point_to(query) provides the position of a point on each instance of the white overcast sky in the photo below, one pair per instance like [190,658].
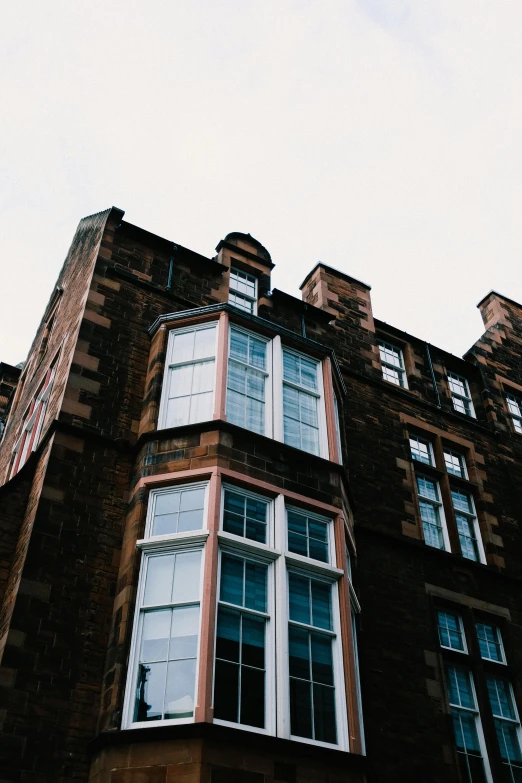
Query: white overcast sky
[383,137]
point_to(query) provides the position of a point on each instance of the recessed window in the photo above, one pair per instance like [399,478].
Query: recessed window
[167,639]
[240,671]
[460,394]
[188,393]
[467,525]
[421,450]
[392,362]
[311,666]
[243,290]
[507,726]
[490,642]
[451,631]
[308,535]
[515,410]
[247,380]
[466,724]
[245,515]
[301,397]
[177,510]
[432,514]
[455,463]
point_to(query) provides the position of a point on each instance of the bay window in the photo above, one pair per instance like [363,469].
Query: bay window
[188,389]
[245,514]
[271,389]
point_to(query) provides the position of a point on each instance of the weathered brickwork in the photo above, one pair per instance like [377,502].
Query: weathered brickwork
[71,517]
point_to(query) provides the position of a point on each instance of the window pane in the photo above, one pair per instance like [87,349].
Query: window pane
[461,501]
[252,697]
[427,488]
[205,344]
[253,642]
[500,699]
[324,713]
[255,586]
[228,635]
[178,412]
[468,543]
[301,708]
[489,642]
[299,599]
[226,691]
[321,605]
[322,663]
[150,691]
[155,636]
[184,632]
[158,584]
[420,450]
[509,744]
[186,577]
[454,463]
[450,634]
[459,687]
[179,696]
[232,579]
[183,349]
[299,653]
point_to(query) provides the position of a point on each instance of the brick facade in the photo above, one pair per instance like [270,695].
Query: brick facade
[71,516]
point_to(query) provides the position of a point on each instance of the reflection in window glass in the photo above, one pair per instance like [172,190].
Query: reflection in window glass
[507,726]
[421,450]
[245,516]
[307,535]
[489,642]
[312,685]
[166,672]
[247,375]
[191,376]
[240,669]
[451,633]
[464,712]
[177,511]
[455,463]
[300,402]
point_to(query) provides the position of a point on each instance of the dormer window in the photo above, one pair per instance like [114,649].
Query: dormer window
[243,290]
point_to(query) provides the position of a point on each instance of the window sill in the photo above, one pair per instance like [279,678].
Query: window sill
[232,543]
[191,537]
[302,563]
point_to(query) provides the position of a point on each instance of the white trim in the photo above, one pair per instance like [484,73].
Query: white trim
[439,505]
[270,639]
[330,537]
[457,396]
[277,388]
[128,704]
[503,659]
[190,538]
[255,496]
[400,370]
[267,372]
[245,547]
[300,564]
[169,365]
[465,651]
[170,490]
[318,394]
[247,297]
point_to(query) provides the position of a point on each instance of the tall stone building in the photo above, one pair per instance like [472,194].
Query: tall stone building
[250,538]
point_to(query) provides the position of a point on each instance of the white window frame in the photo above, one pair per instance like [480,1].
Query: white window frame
[260,553]
[461,459]
[329,575]
[503,660]
[476,713]
[194,543]
[512,401]
[269,405]
[169,364]
[473,519]
[297,558]
[278,376]
[513,721]
[460,624]
[464,398]
[424,441]
[246,297]
[170,490]
[255,496]
[438,505]
[401,370]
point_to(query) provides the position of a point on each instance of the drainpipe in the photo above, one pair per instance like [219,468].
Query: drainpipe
[432,373]
[171,268]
